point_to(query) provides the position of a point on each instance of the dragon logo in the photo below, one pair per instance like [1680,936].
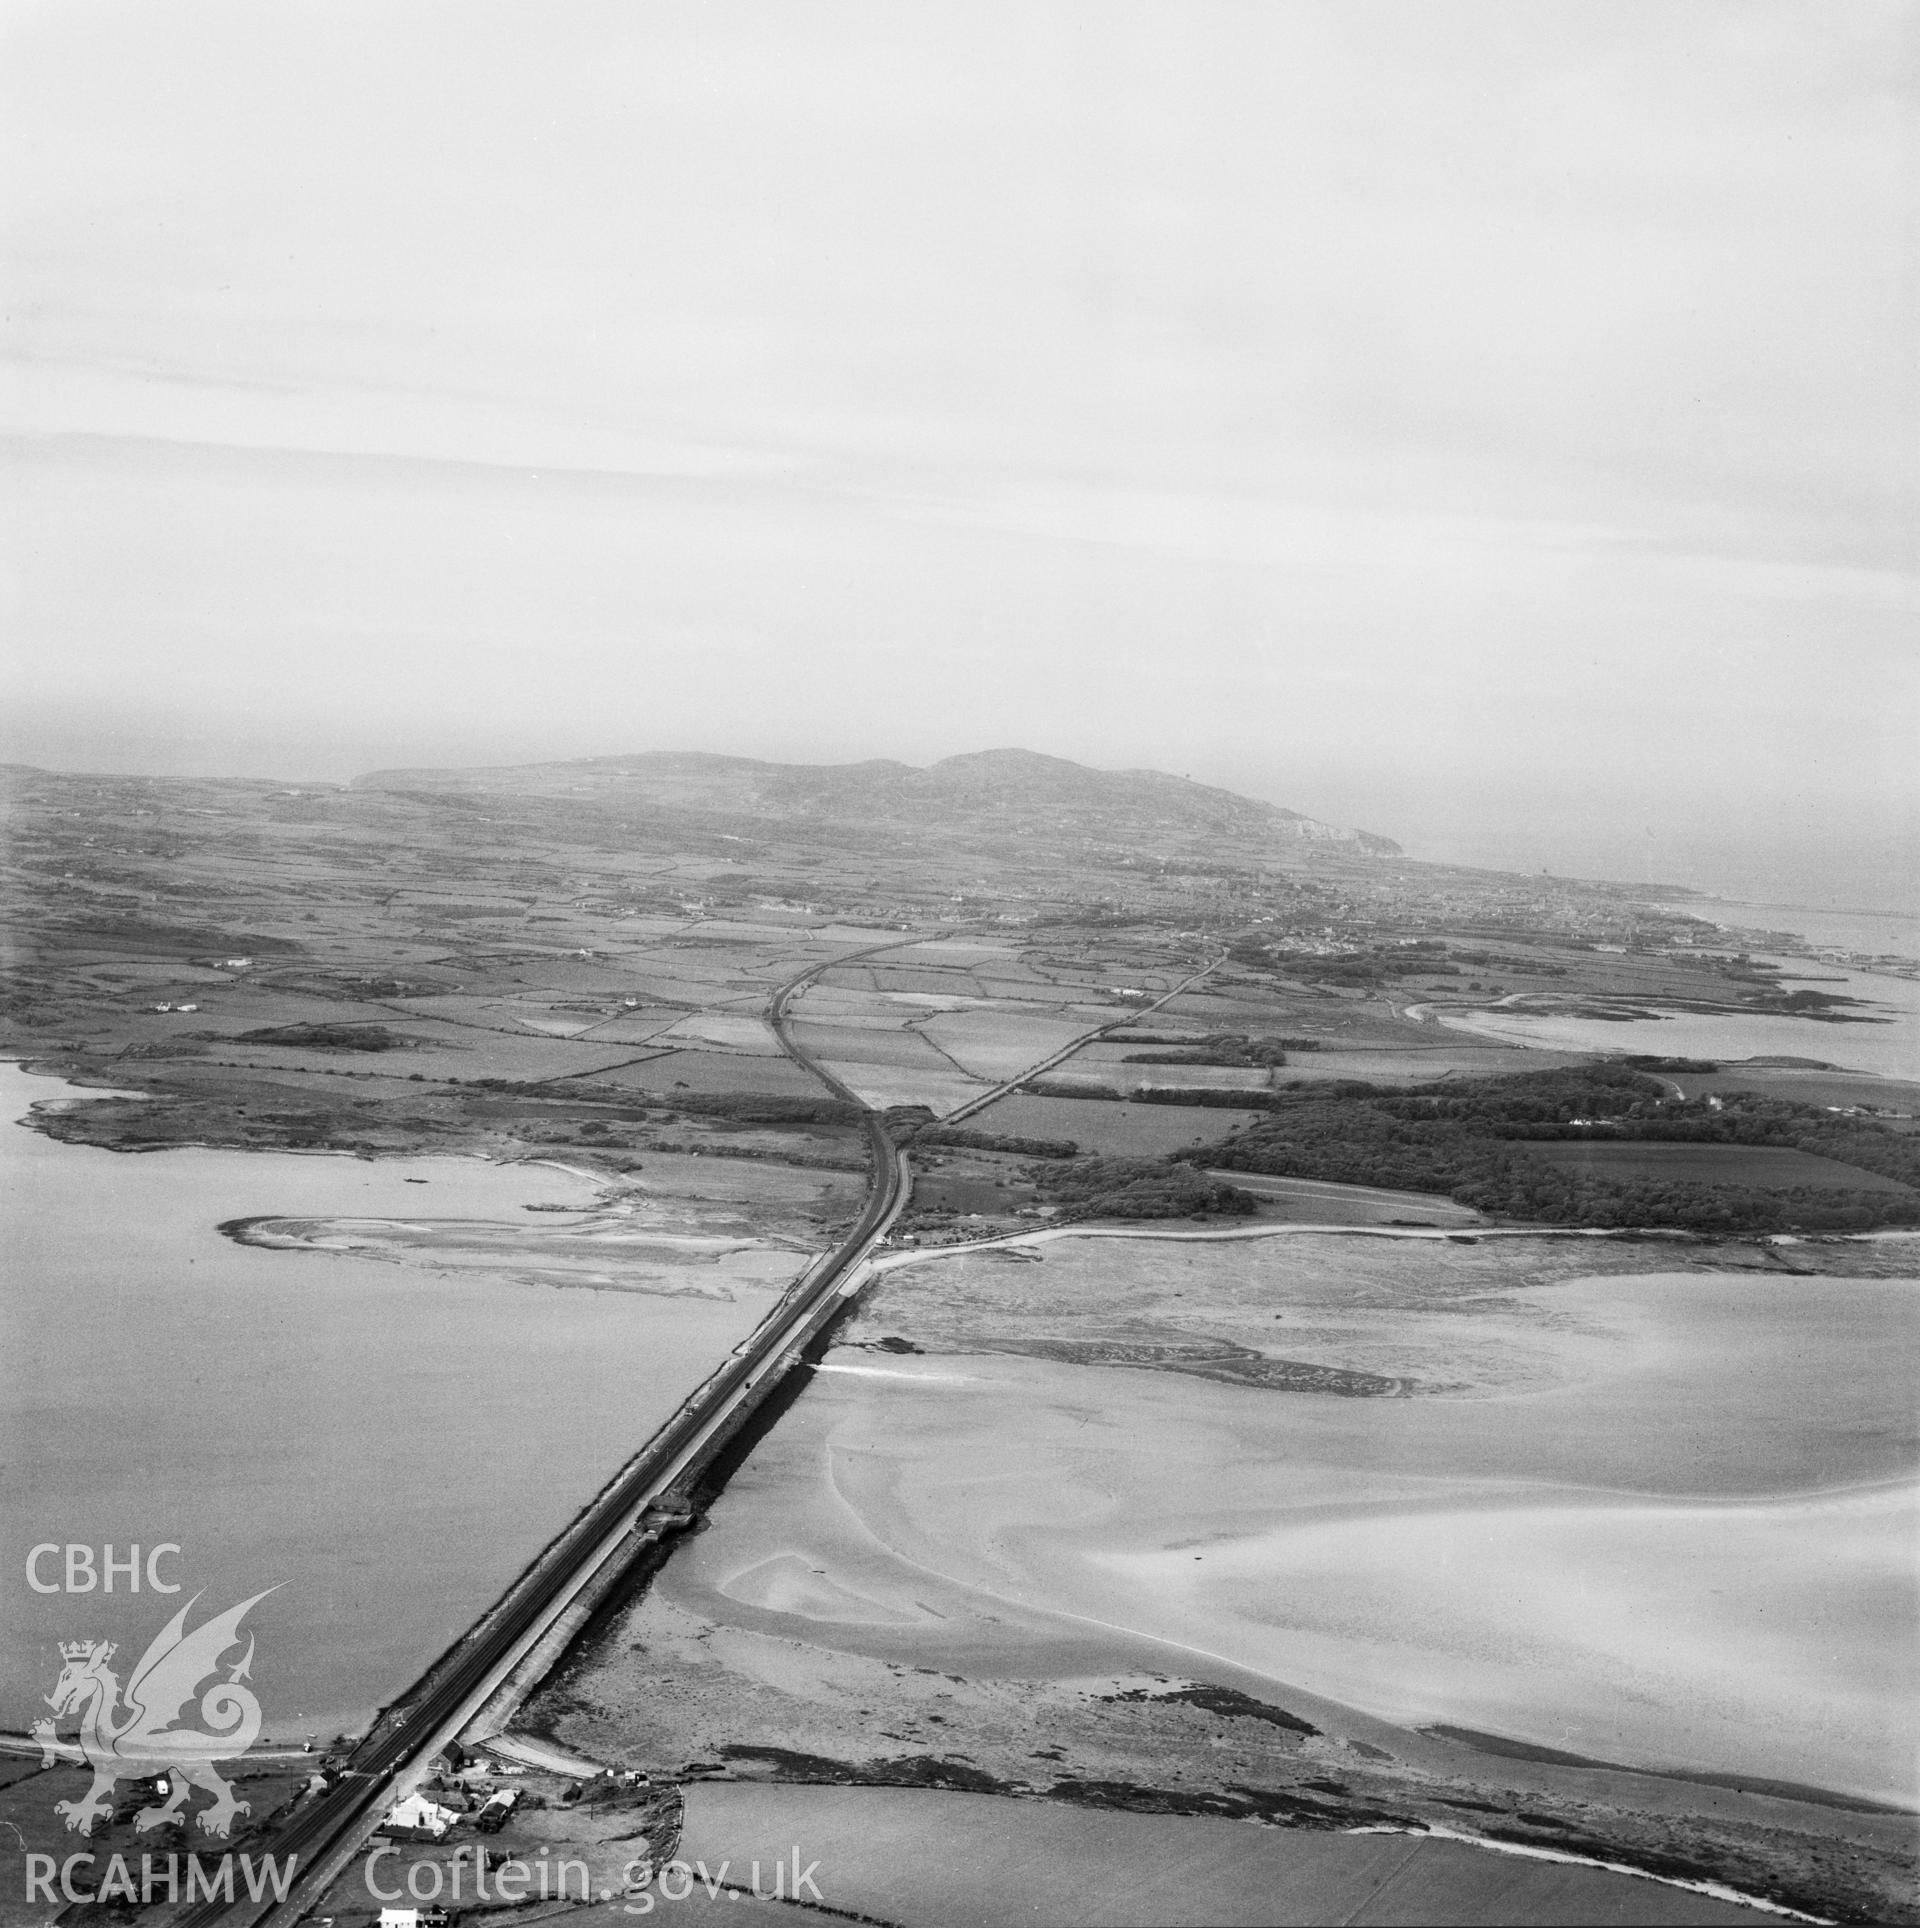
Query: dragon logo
[132,1733]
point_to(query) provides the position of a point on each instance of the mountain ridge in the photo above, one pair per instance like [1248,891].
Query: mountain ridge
[978,791]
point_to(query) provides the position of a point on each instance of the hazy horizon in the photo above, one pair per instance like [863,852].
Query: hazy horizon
[1866,880]
[1487,424]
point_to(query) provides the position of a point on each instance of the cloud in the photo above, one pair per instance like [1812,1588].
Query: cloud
[1356,397]
[44,397]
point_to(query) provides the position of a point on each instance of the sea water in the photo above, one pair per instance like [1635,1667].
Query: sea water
[1888,1048]
[385,1445]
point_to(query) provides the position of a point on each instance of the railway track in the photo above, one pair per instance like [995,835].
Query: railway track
[324,1834]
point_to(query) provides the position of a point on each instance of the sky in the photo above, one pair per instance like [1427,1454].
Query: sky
[1491,424]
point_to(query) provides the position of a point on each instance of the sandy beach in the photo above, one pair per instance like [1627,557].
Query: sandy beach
[1660,1519]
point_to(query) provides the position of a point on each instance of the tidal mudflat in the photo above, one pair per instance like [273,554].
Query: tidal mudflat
[1631,1565]
[1664,1518]
[1659,1520]
[387,1443]
[1888,1046]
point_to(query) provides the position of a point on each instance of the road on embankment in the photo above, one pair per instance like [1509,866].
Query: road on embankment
[1068,1049]
[325,1834]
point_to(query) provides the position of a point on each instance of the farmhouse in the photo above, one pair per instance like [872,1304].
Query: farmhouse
[417,1819]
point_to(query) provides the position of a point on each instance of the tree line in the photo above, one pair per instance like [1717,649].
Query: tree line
[1468,1141]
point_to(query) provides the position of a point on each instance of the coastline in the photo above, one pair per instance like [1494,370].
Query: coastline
[1853,931]
[395,1434]
[914,1594]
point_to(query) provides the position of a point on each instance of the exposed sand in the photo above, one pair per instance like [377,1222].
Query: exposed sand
[790,1583]
[1660,1520]
[679,1227]
[603,1254]
[1664,1519]
[1755,1636]
[1656,1520]
[1766,1638]
[1889,1047]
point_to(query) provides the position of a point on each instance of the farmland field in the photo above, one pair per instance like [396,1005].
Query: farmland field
[846,1010]
[1107,1070]
[452,1052]
[636,1027]
[1802,1086]
[1001,1043]
[715,1071]
[1411,1063]
[951,1860]
[735,1031]
[697,993]
[882,1084]
[1364,1483]
[736,931]
[863,1043]
[1311,1201]
[900,975]
[1759,1165]
[1106,1125]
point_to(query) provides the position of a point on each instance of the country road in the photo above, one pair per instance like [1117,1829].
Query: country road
[1072,1045]
[326,1834]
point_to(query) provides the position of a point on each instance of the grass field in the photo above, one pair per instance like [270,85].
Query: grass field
[736,1031]
[1842,1088]
[939,1859]
[901,976]
[1413,1063]
[1102,1125]
[1309,1201]
[636,1027]
[940,1089]
[1768,1166]
[859,1043]
[718,1071]
[1173,1077]
[1001,1042]
[443,1052]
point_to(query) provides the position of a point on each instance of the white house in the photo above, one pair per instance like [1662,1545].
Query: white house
[419,1819]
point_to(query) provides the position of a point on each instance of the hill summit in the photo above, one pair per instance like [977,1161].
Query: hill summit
[982,798]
